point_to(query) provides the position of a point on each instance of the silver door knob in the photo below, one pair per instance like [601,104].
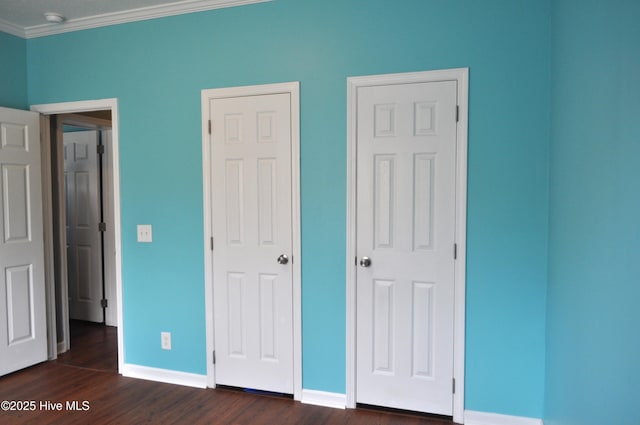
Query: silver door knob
[283,259]
[365,262]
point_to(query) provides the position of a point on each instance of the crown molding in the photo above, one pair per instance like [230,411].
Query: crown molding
[12,29]
[141,14]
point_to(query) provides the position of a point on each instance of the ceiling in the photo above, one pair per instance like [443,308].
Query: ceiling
[25,18]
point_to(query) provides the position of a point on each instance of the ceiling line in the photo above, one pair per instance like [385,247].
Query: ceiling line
[120,17]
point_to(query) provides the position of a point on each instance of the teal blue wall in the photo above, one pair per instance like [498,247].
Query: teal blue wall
[593,348]
[13,71]
[157,69]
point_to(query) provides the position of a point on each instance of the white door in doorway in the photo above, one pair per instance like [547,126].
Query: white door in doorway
[84,246]
[23,337]
[406,168]
[252,227]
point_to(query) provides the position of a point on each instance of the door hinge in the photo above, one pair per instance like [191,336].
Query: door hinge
[104,303]
[457,113]
[100,149]
[454,386]
[211,243]
[455,251]
[209,126]
[214,356]
[102,227]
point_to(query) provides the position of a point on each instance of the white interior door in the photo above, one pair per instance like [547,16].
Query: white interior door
[84,245]
[252,228]
[23,333]
[406,163]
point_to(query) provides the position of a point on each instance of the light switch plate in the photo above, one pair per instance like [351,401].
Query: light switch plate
[165,340]
[144,233]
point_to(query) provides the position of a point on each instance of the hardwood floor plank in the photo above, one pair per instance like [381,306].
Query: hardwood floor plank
[114,399]
[93,346]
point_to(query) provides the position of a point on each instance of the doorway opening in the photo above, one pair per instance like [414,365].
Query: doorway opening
[82,233]
[86,334]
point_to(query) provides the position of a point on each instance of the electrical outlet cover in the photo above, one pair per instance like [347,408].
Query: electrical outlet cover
[144,233]
[165,340]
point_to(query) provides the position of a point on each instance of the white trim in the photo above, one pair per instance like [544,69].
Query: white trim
[293,88]
[60,244]
[461,75]
[13,29]
[323,398]
[164,375]
[296,239]
[460,271]
[133,15]
[482,418]
[96,105]
[47,220]
[79,106]
[208,260]
[111,312]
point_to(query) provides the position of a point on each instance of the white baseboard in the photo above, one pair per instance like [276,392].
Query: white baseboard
[482,418]
[164,375]
[323,398]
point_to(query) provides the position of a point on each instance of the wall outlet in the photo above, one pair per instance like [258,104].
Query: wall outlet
[144,233]
[165,340]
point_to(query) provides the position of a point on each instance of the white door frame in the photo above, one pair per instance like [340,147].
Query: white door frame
[112,169]
[293,89]
[461,75]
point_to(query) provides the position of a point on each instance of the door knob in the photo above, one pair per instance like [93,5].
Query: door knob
[283,259]
[365,262]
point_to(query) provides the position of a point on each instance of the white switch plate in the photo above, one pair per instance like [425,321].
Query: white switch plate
[144,233]
[165,340]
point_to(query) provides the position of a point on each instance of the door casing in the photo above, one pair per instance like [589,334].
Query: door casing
[112,214]
[461,75]
[293,89]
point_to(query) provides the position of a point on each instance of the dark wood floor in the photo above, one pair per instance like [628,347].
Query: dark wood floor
[109,398]
[93,346]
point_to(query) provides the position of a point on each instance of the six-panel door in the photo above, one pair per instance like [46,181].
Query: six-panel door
[406,153]
[251,208]
[23,338]
[84,243]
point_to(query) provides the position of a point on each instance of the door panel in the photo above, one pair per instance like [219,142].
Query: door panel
[84,245]
[20,306]
[23,338]
[16,202]
[252,227]
[406,147]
